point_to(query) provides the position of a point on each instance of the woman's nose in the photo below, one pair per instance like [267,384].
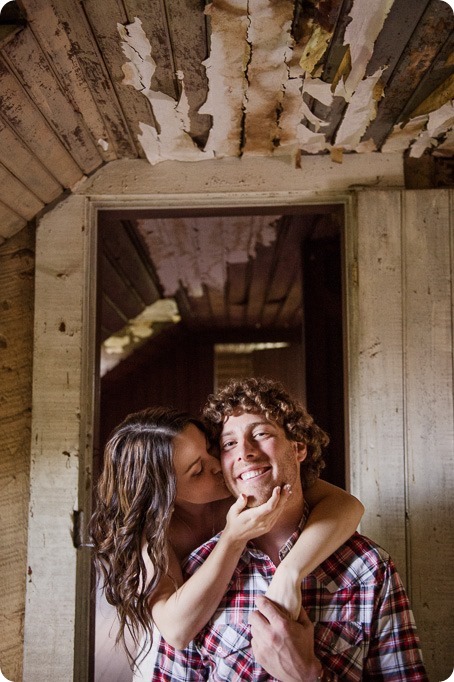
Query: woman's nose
[215,465]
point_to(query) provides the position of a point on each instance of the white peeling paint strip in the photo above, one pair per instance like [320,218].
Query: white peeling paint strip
[103,144]
[367,19]
[423,142]
[269,35]
[140,67]
[361,110]
[319,90]
[402,136]
[291,115]
[173,141]
[309,141]
[195,253]
[421,132]
[225,68]
[439,122]
[294,133]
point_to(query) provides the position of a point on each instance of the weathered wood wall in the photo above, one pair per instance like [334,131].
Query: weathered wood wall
[401,396]
[16,343]
[55,616]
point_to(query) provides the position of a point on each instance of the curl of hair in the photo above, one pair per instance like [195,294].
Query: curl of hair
[135,498]
[269,398]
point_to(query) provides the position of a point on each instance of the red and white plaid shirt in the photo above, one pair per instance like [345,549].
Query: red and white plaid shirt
[364,628]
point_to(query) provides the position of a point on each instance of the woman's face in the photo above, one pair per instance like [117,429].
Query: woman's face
[199,475]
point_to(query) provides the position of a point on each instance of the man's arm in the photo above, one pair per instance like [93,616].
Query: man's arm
[285,647]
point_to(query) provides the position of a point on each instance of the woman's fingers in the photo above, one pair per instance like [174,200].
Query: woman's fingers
[240,503]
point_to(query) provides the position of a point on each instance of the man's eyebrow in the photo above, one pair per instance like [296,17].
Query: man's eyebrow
[251,426]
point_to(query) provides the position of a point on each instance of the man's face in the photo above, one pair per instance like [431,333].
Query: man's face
[256,456]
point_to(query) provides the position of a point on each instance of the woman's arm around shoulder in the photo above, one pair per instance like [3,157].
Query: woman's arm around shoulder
[334,517]
[179,614]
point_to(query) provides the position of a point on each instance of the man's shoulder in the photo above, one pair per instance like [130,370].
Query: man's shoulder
[359,560]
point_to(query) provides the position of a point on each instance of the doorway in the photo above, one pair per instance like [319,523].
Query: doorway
[278,313]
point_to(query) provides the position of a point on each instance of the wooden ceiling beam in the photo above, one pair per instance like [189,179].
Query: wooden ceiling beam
[62,29]
[432,31]
[19,110]
[30,65]
[188,31]
[104,25]
[21,162]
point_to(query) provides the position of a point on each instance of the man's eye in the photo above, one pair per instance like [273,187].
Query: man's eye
[197,473]
[228,444]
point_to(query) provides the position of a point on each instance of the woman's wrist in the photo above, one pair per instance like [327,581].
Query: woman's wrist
[233,542]
[290,572]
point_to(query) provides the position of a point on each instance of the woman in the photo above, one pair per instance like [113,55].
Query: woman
[162,494]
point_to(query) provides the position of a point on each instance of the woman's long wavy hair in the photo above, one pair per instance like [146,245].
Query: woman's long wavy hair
[135,499]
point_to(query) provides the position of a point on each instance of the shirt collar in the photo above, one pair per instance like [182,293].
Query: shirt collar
[252,551]
[285,549]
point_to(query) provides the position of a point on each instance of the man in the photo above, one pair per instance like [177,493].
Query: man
[355,624]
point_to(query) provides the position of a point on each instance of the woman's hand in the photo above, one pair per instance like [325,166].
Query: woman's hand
[244,524]
[285,590]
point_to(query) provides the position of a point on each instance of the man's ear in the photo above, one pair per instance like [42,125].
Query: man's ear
[301,451]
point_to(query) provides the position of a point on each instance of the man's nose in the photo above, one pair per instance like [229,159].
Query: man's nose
[247,449]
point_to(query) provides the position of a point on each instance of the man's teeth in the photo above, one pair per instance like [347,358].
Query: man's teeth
[251,474]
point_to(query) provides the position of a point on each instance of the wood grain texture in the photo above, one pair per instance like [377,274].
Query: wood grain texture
[51,35]
[378,461]
[187,25]
[432,31]
[18,159]
[57,446]
[64,33]
[16,352]
[401,396]
[104,25]
[428,356]
[23,115]
[10,222]
[18,197]
[29,63]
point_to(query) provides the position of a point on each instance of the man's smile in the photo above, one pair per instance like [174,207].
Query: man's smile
[253,473]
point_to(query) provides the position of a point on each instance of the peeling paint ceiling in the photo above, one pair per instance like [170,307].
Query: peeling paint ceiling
[88,82]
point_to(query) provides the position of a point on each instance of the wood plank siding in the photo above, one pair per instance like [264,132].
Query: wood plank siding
[401,396]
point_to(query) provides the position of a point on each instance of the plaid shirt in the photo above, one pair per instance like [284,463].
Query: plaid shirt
[364,628]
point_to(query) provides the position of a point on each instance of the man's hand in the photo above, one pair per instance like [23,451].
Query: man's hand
[284,647]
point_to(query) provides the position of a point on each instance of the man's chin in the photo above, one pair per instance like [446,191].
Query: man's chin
[256,497]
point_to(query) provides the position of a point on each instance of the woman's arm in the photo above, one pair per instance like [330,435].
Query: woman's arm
[180,614]
[333,518]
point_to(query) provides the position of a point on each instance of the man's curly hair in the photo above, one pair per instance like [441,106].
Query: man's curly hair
[270,398]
